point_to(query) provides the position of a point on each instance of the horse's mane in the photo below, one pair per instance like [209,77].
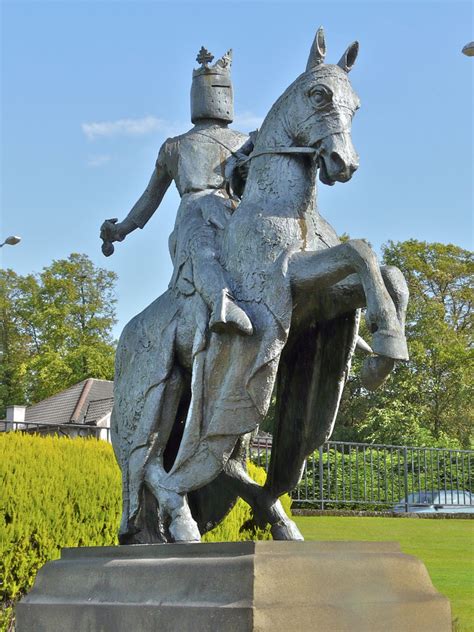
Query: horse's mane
[268,120]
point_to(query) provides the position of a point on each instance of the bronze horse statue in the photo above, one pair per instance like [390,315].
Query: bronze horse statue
[186,398]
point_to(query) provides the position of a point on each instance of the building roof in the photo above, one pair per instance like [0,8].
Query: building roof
[72,405]
[97,409]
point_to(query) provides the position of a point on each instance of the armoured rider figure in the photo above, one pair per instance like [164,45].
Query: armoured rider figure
[196,161]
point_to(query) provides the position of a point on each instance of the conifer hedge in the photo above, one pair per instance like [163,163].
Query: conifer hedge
[58,492]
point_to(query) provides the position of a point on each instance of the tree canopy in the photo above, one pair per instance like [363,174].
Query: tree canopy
[426,401]
[55,329]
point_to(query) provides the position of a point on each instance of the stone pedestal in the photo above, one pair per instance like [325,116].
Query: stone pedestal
[241,587]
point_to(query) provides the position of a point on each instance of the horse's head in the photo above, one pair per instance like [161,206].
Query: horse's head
[320,110]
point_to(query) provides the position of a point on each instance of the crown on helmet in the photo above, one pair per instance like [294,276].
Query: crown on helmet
[211,91]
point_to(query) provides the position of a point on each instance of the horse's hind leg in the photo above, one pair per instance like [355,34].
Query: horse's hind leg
[174,512]
[266,509]
[316,271]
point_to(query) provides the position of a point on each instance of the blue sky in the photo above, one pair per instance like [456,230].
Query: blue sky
[90,90]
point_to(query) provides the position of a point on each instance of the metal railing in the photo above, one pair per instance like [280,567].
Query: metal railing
[367,476]
[346,475]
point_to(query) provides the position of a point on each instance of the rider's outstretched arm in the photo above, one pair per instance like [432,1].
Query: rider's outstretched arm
[145,206]
[151,197]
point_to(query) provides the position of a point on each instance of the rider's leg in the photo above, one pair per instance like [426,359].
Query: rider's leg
[313,271]
[210,282]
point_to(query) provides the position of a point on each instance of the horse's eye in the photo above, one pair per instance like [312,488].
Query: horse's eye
[320,96]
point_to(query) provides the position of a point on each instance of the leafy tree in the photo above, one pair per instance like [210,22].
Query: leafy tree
[56,328]
[427,401]
[15,343]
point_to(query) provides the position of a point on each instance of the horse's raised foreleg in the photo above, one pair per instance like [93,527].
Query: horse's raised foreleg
[266,509]
[315,271]
[348,295]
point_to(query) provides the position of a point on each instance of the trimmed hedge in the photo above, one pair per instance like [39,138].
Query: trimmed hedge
[59,492]
[55,492]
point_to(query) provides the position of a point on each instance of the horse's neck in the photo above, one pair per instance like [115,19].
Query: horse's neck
[280,183]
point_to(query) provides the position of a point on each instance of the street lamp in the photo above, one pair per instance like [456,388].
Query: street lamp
[13,240]
[469,49]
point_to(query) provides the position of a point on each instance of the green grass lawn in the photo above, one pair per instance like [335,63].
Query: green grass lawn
[445,546]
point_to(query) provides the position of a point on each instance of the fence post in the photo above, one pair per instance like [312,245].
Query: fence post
[321,475]
[405,476]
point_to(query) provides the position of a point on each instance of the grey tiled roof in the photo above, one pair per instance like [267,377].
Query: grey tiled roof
[97,409]
[59,408]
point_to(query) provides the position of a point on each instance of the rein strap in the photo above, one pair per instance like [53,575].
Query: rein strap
[280,150]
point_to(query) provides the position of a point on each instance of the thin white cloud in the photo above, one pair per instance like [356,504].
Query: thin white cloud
[98,160]
[127,127]
[247,121]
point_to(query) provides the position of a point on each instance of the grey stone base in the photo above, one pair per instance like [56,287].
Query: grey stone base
[241,587]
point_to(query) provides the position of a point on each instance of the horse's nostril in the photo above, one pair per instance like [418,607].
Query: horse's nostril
[338,161]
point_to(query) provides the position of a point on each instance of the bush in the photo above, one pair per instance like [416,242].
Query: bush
[55,492]
[59,492]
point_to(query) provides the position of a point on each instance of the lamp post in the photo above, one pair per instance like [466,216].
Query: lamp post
[13,240]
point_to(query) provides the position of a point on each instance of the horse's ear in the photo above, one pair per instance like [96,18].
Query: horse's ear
[318,50]
[348,59]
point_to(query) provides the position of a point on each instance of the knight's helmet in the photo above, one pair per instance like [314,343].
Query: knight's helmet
[212,96]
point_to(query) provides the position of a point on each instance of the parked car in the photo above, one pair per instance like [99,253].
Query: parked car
[437,501]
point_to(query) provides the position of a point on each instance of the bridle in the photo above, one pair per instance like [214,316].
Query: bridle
[292,150]
[308,151]
[280,150]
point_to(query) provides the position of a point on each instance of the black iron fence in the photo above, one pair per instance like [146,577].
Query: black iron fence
[374,477]
[348,475]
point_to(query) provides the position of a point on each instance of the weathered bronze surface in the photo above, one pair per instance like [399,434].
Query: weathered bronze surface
[263,294]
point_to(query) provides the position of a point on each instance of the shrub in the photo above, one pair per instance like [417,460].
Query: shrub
[55,492]
[59,492]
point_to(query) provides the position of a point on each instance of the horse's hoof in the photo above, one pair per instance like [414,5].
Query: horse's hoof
[391,344]
[131,537]
[285,530]
[184,529]
[375,370]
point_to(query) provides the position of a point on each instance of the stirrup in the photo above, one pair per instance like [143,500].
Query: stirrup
[228,317]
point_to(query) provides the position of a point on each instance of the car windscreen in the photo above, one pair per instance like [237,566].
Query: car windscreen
[420,498]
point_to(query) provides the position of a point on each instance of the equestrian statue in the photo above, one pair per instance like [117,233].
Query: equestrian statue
[264,300]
